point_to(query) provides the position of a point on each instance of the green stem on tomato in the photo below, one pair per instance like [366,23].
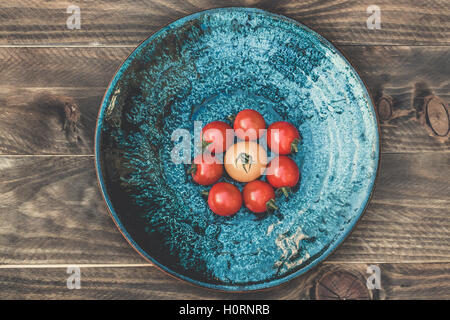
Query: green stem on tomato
[285,191]
[294,145]
[231,118]
[205,144]
[192,169]
[270,205]
[205,193]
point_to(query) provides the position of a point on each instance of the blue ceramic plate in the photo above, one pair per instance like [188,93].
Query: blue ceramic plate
[205,67]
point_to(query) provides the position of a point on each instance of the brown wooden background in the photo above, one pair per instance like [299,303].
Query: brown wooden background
[52,214]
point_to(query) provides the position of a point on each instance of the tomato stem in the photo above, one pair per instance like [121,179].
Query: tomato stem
[231,118]
[285,191]
[270,205]
[246,159]
[205,193]
[192,169]
[205,144]
[294,145]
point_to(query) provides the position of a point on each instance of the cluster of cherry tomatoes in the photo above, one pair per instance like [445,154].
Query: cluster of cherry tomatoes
[245,161]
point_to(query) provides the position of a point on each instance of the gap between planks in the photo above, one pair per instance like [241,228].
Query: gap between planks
[116,265]
[70,45]
[46,155]
[132,46]
[93,155]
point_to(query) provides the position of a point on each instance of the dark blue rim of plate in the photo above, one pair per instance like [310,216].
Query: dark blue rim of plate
[112,212]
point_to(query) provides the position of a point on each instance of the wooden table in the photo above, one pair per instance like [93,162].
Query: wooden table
[52,214]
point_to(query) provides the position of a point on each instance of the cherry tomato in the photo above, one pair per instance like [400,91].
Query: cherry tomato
[217,136]
[245,161]
[248,124]
[206,169]
[282,172]
[282,137]
[259,196]
[224,199]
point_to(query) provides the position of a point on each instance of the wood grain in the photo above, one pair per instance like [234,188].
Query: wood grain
[407,75]
[29,124]
[51,208]
[59,67]
[398,281]
[52,213]
[409,212]
[32,120]
[30,22]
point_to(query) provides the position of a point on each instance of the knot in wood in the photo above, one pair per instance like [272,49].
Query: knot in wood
[341,285]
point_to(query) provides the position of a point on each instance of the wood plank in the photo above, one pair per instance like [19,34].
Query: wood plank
[32,120]
[52,213]
[29,22]
[29,75]
[398,281]
[59,67]
[409,211]
[406,75]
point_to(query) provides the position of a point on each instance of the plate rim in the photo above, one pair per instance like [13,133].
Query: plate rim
[224,287]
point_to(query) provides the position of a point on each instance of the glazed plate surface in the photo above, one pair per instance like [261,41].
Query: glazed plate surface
[205,67]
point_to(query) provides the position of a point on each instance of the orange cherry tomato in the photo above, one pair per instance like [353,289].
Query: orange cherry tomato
[245,161]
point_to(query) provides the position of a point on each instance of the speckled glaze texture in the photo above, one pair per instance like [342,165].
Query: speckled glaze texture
[205,67]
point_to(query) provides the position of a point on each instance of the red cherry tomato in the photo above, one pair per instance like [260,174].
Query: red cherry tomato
[214,136]
[248,124]
[206,169]
[259,196]
[282,172]
[224,199]
[282,137]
